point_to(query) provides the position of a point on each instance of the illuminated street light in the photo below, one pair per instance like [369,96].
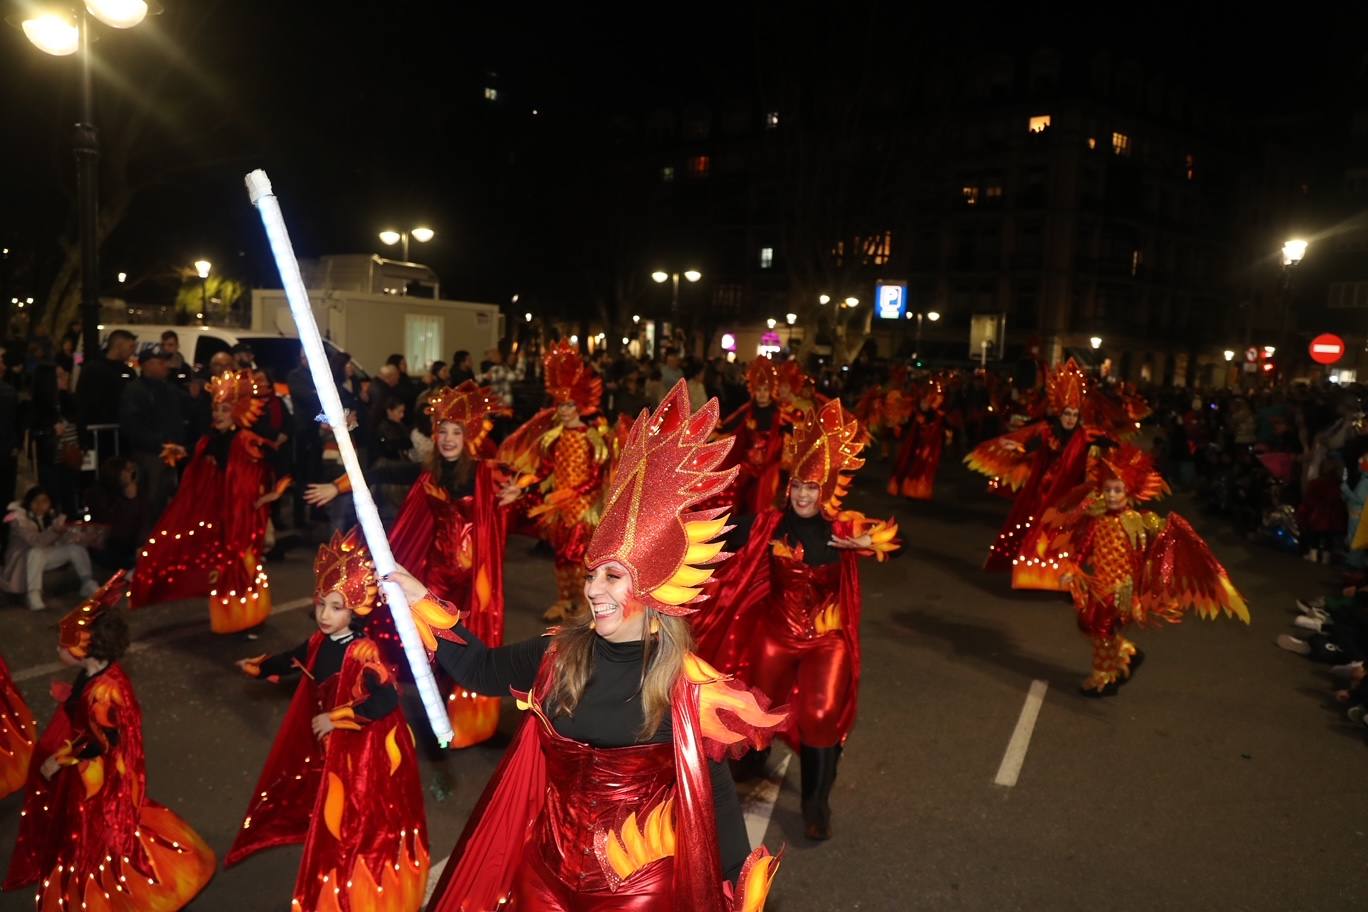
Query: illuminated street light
[119,14]
[771,322]
[1095,342]
[824,299]
[123,277]
[527,317]
[852,302]
[933,315]
[202,268]
[636,318]
[422,234]
[53,33]
[658,276]
[1228,354]
[693,275]
[1293,251]
[790,318]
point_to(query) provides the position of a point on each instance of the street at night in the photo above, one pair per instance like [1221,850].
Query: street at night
[1220,778]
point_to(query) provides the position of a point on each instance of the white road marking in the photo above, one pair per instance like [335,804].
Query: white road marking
[758,798]
[434,875]
[180,633]
[1021,736]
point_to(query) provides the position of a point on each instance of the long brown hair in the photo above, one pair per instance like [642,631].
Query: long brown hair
[662,662]
[449,474]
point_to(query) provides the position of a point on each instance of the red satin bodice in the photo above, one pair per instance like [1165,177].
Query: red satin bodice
[595,789]
[803,592]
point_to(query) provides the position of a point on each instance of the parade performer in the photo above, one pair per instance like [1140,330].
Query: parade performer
[563,453]
[1127,566]
[354,800]
[758,427]
[613,795]
[88,833]
[16,735]
[209,541]
[923,440]
[451,532]
[1042,462]
[788,612]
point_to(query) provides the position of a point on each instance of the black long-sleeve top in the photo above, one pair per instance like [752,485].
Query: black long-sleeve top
[813,533]
[383,699]
[608,715]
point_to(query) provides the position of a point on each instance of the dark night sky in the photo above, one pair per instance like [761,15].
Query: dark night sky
[368,114]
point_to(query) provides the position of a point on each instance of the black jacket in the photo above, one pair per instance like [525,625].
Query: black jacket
[151,413]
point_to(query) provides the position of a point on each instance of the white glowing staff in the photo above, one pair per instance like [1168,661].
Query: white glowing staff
[259,189]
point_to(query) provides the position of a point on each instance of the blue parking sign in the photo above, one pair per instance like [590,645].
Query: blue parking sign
[890,300]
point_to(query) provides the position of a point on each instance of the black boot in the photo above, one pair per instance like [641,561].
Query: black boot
[818,776]
[751,766]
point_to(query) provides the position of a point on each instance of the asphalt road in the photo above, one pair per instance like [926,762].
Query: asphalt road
[1220,778]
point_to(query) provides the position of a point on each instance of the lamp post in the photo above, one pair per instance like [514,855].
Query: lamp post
[660,276]
[202,268]
[1293,250]
[422,234]
[62,34]
[933,316]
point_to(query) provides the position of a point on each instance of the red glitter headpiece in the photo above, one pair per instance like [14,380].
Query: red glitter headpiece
[1133,467]
[344,565]
[468,405]
[73,631]
[791,376]
[763,372]
[1066,387]
[240,390]
[667,466]
[823,448]
[569,379]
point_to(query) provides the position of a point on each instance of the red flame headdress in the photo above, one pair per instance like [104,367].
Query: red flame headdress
[792,377]
[468,405]
[1066,387]
[344,565]
[240,390]
[1133,467]
[73,631]
[667,466]
[763,372]
[569,379]
[824,448]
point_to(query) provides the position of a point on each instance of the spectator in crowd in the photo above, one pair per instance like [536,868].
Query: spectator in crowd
[151,417]
[116,508]
[500,377]
[437,375]
[628,399]
[670,372]
[1322,518]
[243,357]
[198,405]
[101,384]
[461,369]
[41,539]
[693,377]
[56,446]
[221,363]
[179,370]
[407,388]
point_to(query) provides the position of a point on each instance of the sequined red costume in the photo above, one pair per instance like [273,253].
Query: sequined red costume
[564,468]
[90,836]
[17,735]
[452,535]
[1129,566]
[759,432]
[581,815]
[1042,462]
[354,800]
[788,612]
[209,541]
[923,440]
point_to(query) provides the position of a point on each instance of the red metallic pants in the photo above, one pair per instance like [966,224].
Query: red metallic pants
[537,889]
[821,669]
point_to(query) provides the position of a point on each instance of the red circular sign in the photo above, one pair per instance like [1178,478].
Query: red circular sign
[1327,348]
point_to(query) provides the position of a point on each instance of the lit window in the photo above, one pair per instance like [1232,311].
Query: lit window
[667,174]
[1092,142]
[878,248]
[699,166]
[772,120]
[970,195]
[491,93]
[993,192]
[1121,144]
[766,257]
[1190,165]
[1040,124]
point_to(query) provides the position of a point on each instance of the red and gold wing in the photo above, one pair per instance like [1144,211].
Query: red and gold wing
[1181,574]
[734,718]
[1005,458]
[521,450]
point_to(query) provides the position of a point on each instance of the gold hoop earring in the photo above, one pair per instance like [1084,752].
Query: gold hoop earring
[591,623]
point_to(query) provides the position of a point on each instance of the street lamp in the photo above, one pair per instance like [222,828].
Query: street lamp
[62,34]
[527,318]
[660,276]
[790,318]
[1095,342]
[852,302]
[771,322]
[824,299]
[1293,250]
[202,268]
[422,234]
[933,316]
[1229,355]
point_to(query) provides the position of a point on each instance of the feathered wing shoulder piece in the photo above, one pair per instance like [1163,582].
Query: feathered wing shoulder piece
[1181,574]
[1006,458]
[735,719]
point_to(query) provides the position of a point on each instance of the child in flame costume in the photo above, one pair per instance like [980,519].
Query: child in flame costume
[342,776]
[566,458]
[914,474]
[451,531]
[1124,565]
[209,541]
[614,794]
[1042,462]
[88,833]
[758,427]
[788,618]
[17,735]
